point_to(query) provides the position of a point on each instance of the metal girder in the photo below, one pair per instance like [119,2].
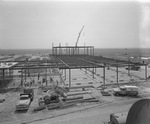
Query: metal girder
[57,62]
[111,62]
[63,62]
[25,67]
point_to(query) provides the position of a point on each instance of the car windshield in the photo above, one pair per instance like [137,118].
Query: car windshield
[24,98]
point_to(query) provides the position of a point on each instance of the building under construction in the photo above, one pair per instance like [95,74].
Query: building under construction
[65,58]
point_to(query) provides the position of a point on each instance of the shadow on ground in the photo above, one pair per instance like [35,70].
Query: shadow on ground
[20,112]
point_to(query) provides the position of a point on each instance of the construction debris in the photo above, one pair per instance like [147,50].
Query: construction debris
[55,97]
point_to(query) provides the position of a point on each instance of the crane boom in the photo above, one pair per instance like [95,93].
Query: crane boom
[79,36]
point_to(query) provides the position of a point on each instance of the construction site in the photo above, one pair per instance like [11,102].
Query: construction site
[70,80]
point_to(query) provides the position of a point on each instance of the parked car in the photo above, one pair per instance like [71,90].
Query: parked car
[24,102]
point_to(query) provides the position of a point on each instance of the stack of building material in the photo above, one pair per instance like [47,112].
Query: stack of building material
[80,96]
[78,93]
[74,97]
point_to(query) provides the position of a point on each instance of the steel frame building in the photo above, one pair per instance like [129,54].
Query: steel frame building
[71,57]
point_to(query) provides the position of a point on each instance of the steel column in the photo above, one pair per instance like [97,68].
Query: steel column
[104,74]
[46,76]
[25,75]
[3,77]
[69,51]
[93,51]
[22,77]
[52,48]
[69,78]
[146,72]
[128,68]
[93,72]
[117,73]
[65,74]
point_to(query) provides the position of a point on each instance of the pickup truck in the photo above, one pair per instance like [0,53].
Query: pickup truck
[24,102]
[126,90]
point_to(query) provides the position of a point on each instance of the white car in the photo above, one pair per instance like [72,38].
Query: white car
[24,102]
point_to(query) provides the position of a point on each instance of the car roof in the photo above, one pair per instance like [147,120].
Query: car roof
[130,86]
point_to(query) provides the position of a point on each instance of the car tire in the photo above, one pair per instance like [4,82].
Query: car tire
[117,94]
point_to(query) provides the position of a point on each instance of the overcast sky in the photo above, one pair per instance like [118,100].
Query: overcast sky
[107,24]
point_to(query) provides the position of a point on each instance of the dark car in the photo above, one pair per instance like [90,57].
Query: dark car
[29,91]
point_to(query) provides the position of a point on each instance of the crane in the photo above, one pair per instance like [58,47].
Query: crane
[79,36]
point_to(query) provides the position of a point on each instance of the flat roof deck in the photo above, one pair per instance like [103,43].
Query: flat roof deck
[86,61]
[69,62]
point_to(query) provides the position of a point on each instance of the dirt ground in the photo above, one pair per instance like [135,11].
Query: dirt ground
[9,115]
